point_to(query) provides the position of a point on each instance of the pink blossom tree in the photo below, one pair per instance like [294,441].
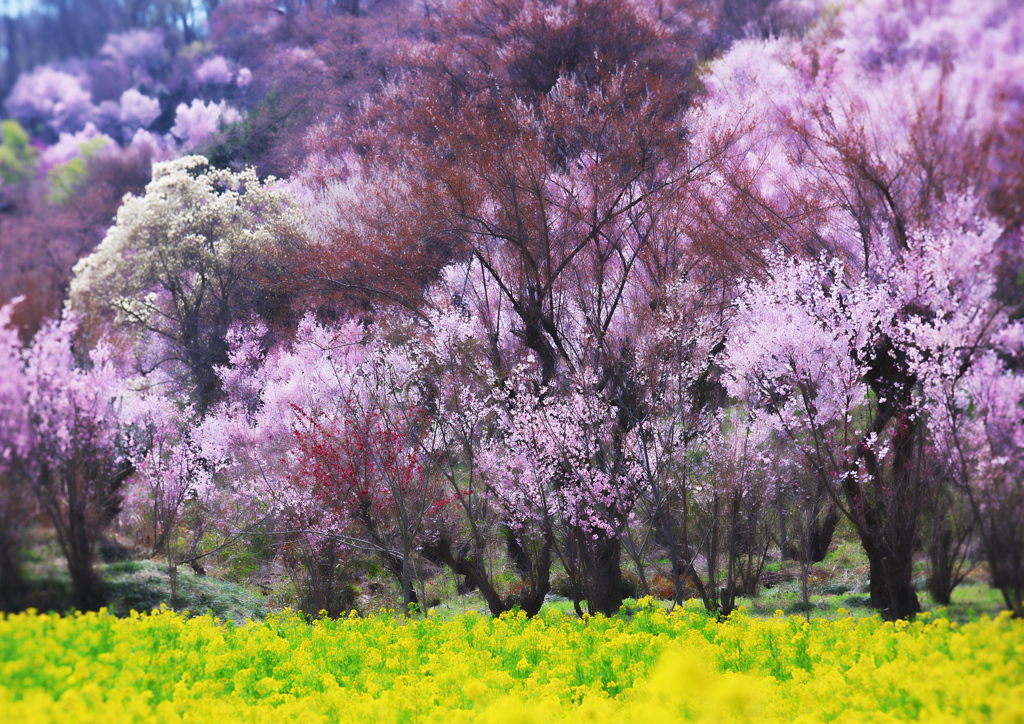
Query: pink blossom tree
[851,136]
[706,478]
[465,334]
[73,453]
[172,503]
[198,122]
[563,481]
[17,504]
[51,98]
[844,363]
[857,140]
[248,439]
[326,435]
[980,425]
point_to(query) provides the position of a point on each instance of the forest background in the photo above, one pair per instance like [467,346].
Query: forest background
[573,297]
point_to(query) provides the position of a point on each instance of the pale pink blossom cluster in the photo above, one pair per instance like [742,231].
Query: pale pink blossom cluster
[138,111]
[215,71]
[141,49]
[251,437]
[865,95]
[54,97]
[196,123]
[803,341]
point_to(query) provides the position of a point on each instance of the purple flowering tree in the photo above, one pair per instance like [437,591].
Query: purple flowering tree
[71,450]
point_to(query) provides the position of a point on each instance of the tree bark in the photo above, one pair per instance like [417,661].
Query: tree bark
[891,583]
[604,584]
[470,565]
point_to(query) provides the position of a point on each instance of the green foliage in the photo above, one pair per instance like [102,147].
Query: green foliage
[144,585]
[246,143]
[65,180]
[242,561]
[17,157]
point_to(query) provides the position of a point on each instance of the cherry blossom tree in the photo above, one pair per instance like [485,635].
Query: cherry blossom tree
[550,154]
[196,123]
[560,476]
[137,110]
[980,425]
[74,455]
[674,425]
[50,97]
[734,501]
[249,440]
[17,504]
[305,73]
[802,350]
[871,139]
[172,504]
[326,435]
[844,364]
[853,135]
[472,537]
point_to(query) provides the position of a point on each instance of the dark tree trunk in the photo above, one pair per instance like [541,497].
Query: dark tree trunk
[819,539]
[604,584]
[396,566]
[11,582]
[470,565]
[891,584]
[943,566]
[79,543]
[1006,563]
[950,533]
[516,553]
[886,508]
[532,599]
[325,585]
[88,588]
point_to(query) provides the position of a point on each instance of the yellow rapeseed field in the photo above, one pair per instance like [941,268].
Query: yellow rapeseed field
[653,667]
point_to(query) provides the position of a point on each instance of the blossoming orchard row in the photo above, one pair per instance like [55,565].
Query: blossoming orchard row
[573,293]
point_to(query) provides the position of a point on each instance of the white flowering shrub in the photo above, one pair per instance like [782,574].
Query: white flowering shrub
[182,261]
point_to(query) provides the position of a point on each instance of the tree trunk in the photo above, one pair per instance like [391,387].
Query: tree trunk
[79,548]
[820,538]
[941,579]
[532,600]
[605,580]
[11,582]
[402,572]
[471,566]
[409,597]
[891,583]
[86,585]
[1006,563]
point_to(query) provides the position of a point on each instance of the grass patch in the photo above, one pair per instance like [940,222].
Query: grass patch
[146,585]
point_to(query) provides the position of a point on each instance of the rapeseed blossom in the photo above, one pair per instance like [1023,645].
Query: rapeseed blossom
[653,667]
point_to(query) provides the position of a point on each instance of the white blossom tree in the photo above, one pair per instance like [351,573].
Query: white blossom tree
[182,262]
